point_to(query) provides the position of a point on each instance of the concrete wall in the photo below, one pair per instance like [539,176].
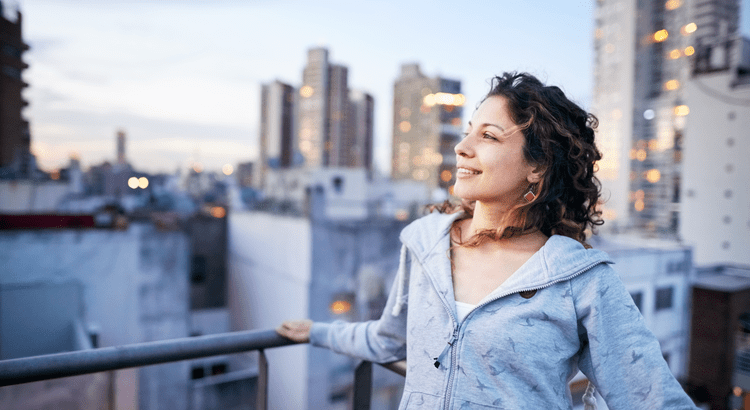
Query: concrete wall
[269,273]
[283,267]
[134,290]
[646,268]
[715,213]
[23,197]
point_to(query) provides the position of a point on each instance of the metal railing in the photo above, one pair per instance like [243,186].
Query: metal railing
[52,366]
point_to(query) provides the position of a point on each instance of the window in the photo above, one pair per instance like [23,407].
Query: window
[664,298]
[198,269]
[197,373]
[637,299]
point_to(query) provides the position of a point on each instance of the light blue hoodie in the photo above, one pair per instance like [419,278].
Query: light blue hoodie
[565,309]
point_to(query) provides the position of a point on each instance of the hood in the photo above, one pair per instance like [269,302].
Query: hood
[560,258]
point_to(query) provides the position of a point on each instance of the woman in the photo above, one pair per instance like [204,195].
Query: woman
[498,305]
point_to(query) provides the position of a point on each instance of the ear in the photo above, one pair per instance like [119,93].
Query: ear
[535,174]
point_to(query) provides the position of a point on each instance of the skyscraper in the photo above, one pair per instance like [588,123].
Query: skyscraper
[426,126]
[121,139]
[15,139]
[326,126]
[361,113]
[277,140]
[643,57]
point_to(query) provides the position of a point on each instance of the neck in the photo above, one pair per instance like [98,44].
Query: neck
[488,216]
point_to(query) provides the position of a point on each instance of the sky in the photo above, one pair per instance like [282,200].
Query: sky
[182,78]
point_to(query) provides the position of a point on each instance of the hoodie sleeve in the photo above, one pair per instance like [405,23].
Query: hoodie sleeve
[619,355]
[380,341]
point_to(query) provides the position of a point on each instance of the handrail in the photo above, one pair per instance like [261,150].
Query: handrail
[52,366]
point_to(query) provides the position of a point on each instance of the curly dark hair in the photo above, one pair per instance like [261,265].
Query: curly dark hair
[559,137]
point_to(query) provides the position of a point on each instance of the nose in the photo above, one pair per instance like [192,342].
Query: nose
[463,148]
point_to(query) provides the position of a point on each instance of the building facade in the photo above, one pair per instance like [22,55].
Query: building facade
[716,194]
[277,131]
[426,126]
[643,53]
[15,139]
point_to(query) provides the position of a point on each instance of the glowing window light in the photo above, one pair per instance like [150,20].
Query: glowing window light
[675,54]
[672,85]
[402,215]
[653,175]
[632,153]
[198,167]
[639,205]
[641,155]
[339,307]
[227,169]
[689,50]
[444,99]
[681,110]
[661,35]
[639,194]
[55,175]
[218,212]
[404,126]
[689,28]
[133,182]
[143,182]
[306,91]
[450,190]
[446,175]
[653,144]
[672,4]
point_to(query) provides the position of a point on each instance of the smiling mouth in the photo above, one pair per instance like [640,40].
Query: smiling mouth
[466,171]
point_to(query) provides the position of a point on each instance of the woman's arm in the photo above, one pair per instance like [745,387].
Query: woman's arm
[380,341]
[619,355]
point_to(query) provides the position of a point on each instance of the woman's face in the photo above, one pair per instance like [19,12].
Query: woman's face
[490,165]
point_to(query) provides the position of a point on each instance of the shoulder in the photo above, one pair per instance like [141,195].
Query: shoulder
[425,232]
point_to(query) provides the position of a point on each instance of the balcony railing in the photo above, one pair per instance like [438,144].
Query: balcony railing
[30,369]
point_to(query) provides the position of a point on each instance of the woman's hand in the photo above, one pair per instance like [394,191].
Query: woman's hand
[296,330]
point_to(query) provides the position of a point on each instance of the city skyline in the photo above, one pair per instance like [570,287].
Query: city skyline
[183,79]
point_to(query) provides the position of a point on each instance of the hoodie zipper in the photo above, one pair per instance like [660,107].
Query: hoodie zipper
[456,328]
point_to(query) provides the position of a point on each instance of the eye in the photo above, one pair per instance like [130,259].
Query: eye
[489,136]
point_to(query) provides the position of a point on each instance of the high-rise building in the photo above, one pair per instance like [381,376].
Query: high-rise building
[277,142]
[334,122]
[361,113]
[121,140]
[644,52]
[426,126]
[15,139]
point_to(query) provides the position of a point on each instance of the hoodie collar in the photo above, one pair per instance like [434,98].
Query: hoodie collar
[559,259]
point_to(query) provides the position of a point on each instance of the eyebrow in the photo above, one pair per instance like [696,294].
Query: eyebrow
[490,125]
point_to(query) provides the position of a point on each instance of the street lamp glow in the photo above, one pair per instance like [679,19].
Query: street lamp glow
[227,169]
[133,182]
[142,182]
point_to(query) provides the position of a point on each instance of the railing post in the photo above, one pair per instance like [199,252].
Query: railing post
[261,401]
[362,386]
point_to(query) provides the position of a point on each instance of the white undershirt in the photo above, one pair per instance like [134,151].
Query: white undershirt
[463,309]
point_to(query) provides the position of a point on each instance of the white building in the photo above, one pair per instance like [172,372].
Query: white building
[716,193]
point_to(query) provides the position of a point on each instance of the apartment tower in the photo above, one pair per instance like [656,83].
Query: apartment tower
[426,126]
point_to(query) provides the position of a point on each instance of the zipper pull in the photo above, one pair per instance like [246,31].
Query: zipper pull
[439,359]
